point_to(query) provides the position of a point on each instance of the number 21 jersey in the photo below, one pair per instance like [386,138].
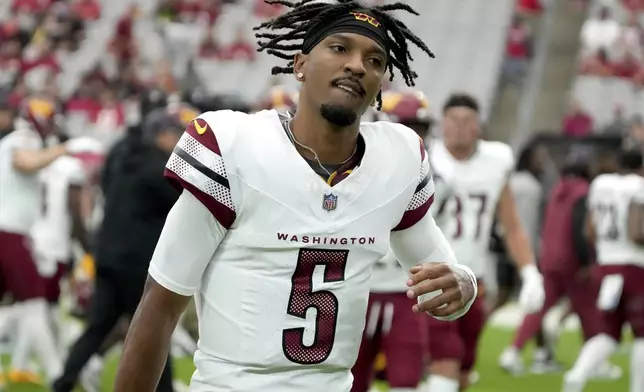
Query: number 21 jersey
[609,199]
[282,303]
[472,189]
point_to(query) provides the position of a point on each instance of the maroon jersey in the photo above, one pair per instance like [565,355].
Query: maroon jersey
[558,251]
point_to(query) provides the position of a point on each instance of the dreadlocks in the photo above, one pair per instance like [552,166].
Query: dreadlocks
[307,13]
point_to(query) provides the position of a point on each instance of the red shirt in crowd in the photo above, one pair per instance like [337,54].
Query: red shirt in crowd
[517,42]
[530,6]
[577,124]
[30,6]
[87,9]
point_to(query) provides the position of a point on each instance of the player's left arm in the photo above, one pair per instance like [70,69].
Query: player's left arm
[516,238]
[444,288]
[518,245]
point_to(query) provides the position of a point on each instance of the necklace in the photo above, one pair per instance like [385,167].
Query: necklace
[289,132]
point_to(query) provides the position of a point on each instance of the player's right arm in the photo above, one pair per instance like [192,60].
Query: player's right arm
[187,243]
[29,157]
[436,278]
[193,230]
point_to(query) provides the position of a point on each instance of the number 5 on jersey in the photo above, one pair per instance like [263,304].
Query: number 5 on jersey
[303,298]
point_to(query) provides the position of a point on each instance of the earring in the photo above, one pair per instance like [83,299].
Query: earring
[373,103]
[300,76]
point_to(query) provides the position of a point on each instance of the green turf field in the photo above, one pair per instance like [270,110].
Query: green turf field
[492,379]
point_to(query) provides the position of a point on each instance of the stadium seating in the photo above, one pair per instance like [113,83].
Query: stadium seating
[467,38]
[599,96]
[607,80]
[459,33]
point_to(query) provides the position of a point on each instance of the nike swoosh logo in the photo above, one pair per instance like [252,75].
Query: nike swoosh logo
[200,129]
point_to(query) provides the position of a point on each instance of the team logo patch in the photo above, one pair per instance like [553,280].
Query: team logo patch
[361,16]
[329,202]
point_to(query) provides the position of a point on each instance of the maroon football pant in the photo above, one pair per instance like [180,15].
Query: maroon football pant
[458,339]
[582,294]
[18,272]
[52,283]
[395,330]
[631,305]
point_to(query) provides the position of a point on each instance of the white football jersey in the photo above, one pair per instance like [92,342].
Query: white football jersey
[609,198]
[388,276]
[20,193]
[467,212]
[52,231]
[282,303]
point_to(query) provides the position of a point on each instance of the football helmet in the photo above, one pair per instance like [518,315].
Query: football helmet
[410,108]
[280,98]
[175,115]
[41,113]
[406,107]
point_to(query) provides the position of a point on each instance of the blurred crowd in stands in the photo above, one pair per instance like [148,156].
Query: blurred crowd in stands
[612,47]
[38,35]
[612,42]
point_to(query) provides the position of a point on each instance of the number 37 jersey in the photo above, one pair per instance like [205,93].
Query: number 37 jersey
[470,190]
[282,303]
[609,199]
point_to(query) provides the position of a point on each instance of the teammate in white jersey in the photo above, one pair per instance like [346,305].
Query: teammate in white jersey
[22,156]
[391,330]
[282,219]
[476,174]
[60,223]
[616,226]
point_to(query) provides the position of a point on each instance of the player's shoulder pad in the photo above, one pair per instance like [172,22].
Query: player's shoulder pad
[635,181]
[23,138]
[497,151]
[602,181]
[223,123]
[214,130]
[400,140]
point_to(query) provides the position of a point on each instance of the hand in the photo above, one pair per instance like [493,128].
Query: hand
[83,144]
[532,295]
[442,289]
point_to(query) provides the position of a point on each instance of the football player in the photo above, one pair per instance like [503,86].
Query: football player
[22,155]
[616,226]
[391,329]
[280,98]
[476,173]
[61,222]
[134,198]
[281,219]
[565,260]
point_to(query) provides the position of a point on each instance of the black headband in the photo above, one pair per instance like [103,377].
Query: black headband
[357,21]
